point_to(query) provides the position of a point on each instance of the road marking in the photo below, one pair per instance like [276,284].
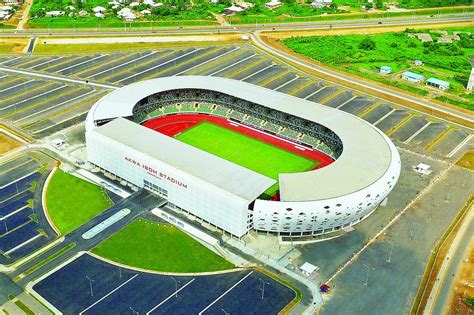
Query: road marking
[57,105]
[17,85]
[121,65]
[80,63]
[315,92]
[207,61]
[229,66]
[384,116]
[32,98]
[11,59]
[159,65]
[22,244]
[251,75]
[59,122]
[418,132]
[13,213]
[58,78]
[344,103]
[45,62]
[170,296]
[437,140]
[286,83]
[18,179]
[459,146]
[223,294]
[108,294]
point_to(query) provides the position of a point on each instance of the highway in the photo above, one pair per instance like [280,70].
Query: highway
[335,24]
[362,84]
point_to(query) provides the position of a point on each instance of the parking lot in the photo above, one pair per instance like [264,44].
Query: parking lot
[60,104]
[23,226]
[91,286]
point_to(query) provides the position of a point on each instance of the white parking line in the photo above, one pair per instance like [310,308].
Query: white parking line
[159,65]
[108,294]
[13,213]
[418,132]
[251,75]
[18,179]
[11,59]
[17,85]
[170,296]
[384,116]
[223,294]
[122,64]
[59,122]
[286,83]
[57,105]
[235,63]
[207,61]
[81,63]
[316,92]
[459,146]
[344,103]
[45,62]
[32,98]
[22,244]
[58,78]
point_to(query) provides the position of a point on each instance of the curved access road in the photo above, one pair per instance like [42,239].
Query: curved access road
[442,112]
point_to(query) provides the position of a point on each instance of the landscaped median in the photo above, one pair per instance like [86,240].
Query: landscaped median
[159,247]
[72,201]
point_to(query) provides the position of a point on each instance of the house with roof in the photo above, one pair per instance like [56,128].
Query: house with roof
[273,4]
[385,69]
[412,77]
[437,83]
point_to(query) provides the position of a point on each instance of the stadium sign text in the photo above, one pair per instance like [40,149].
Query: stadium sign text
[155,173]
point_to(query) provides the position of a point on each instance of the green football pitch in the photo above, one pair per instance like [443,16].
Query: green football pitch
[246,151]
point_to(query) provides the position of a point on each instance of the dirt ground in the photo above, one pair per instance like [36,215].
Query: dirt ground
[467,160]
[464,286]
[10,45]
[7,143]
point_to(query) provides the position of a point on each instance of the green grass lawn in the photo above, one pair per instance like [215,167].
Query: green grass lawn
[72,201]
[160,247]
[248,152]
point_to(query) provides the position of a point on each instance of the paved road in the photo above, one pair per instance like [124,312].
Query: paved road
[443,286]
[362,83]
[356,23]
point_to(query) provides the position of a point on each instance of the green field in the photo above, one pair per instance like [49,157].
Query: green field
[72,201]
[160,247]
[445,61]
[248,152]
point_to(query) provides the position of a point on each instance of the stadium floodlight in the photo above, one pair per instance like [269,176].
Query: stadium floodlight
[263,286]
[176,286]
[90,284]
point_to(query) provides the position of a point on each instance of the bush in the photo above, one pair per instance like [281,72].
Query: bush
[367,44]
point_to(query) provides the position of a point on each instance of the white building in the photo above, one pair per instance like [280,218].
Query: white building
[55,13]
[329,199]
[99,9]
[273,4]
[126,14]
[145,12]
[99,15]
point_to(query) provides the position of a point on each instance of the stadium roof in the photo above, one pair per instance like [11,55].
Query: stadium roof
[212,169]
[367,152]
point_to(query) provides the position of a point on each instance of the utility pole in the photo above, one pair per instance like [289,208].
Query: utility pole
[263,287]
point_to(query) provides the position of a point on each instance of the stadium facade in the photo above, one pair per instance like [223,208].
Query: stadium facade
[365,169]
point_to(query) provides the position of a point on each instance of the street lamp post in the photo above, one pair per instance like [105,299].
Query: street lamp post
[176,286]
[366,282]
[389,259]
[90,285]
[134,312]
[263,287]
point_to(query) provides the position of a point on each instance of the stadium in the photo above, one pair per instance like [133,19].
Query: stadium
[241,157]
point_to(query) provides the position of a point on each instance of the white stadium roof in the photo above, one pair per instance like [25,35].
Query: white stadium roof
[212,169]
[367,152]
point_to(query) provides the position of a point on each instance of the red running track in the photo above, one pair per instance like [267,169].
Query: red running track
[171,125]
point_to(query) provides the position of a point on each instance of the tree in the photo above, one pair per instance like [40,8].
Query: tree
[367,44]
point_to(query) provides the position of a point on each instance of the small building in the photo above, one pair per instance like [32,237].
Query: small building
[418,62]
[470,82]
[273,4]
[320,3]
[448,38]
[134,4]
[54,13]
[214,1]
[99,15]
[70,8]
[233,10]
[99,9]
[308,269]
[437,83]
[83,13]
[412,77]
[424,37]
[423,169]
[385,69]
